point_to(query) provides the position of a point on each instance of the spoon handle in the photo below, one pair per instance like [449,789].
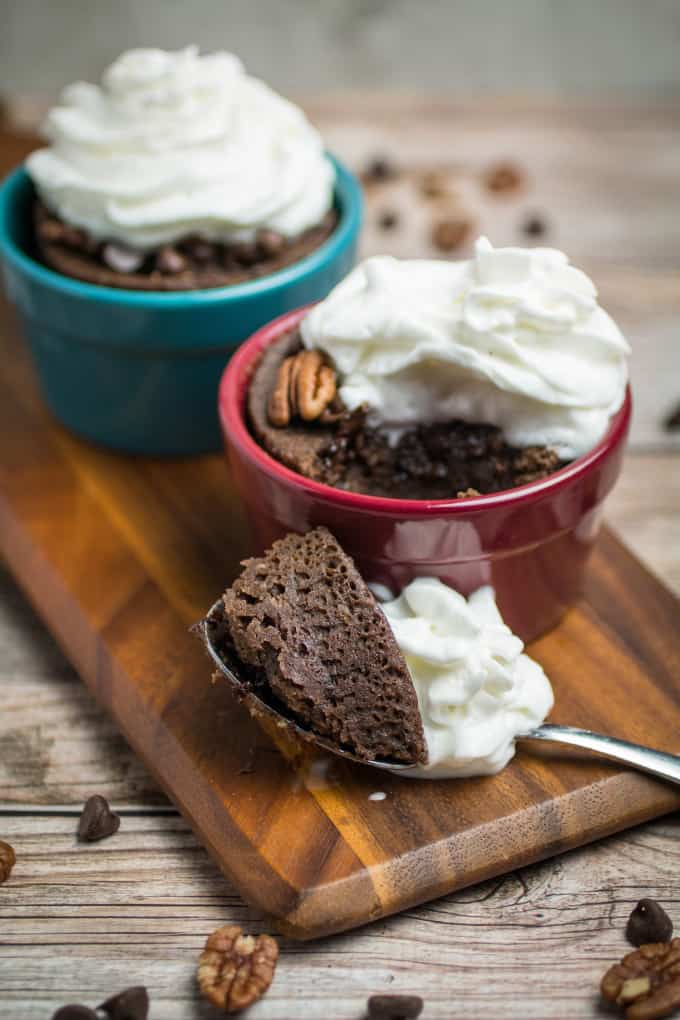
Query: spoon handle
[646,759]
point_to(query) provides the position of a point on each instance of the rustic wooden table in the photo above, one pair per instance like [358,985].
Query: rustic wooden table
[78,922]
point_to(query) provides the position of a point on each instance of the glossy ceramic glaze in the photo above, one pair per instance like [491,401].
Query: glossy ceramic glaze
[531,543]
[139,371]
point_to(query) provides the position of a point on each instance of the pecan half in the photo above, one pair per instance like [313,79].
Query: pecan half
[647,982]
[305,386]
[236,969]
[7,861]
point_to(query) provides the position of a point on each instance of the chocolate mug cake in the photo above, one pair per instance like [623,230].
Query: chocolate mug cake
[180,171]
[430,380]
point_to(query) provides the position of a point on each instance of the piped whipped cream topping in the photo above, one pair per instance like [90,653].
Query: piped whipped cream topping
[477,690]
[173,144]
[512,337]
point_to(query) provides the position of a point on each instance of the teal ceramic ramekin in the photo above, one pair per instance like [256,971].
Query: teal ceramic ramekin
[139,371]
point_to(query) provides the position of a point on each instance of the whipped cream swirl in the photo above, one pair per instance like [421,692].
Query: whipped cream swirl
[512,337]
[173,144]
[476,689]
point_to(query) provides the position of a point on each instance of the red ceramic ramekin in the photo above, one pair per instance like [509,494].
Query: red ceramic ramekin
[530,543]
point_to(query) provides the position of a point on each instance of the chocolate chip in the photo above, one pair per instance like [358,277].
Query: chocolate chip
[672,421]
[649,922]
[51,231]
[200,250]
[388,219]
[121,259]
[504,177]
[394,1007]
[380,168]
[245,253]
[270,242]
[534,226]
[132,1004]
[75,1012]
[170,261]
[449,234]
[97,820]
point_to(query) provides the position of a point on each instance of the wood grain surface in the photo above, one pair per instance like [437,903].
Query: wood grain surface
[81,922]
[56,745]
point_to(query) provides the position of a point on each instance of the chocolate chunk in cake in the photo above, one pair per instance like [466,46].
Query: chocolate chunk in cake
[303,619]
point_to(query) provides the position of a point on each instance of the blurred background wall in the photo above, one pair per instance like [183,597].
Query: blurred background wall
[465,46]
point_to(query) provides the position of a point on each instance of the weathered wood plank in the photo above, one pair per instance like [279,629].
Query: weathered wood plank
[56,744]
[644,509]
[79,922]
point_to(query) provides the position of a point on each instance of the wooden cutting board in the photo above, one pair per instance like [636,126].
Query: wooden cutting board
[120,555]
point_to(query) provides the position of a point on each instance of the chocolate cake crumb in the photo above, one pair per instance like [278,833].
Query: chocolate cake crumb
[302,616]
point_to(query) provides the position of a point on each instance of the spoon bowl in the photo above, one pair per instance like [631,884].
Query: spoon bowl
[213,631]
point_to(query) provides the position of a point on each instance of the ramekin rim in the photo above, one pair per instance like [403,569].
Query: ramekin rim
[235,430]
[347,192]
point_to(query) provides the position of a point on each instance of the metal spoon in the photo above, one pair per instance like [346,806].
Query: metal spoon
[644,759]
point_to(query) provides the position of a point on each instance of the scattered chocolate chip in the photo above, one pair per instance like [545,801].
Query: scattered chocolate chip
[534,226]
[7,861]
[97,820]
[388,219]
[170,261]
[380,168]
[132,1004]
[649,922]
[433,185]
[672,421]
[270,243]
[504,177]
[75,1012]
[121,259]
[451,233]
[394,1007]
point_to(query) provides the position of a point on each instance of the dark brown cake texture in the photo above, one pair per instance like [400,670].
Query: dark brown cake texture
[191,264]
[316,643]
[440,461]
